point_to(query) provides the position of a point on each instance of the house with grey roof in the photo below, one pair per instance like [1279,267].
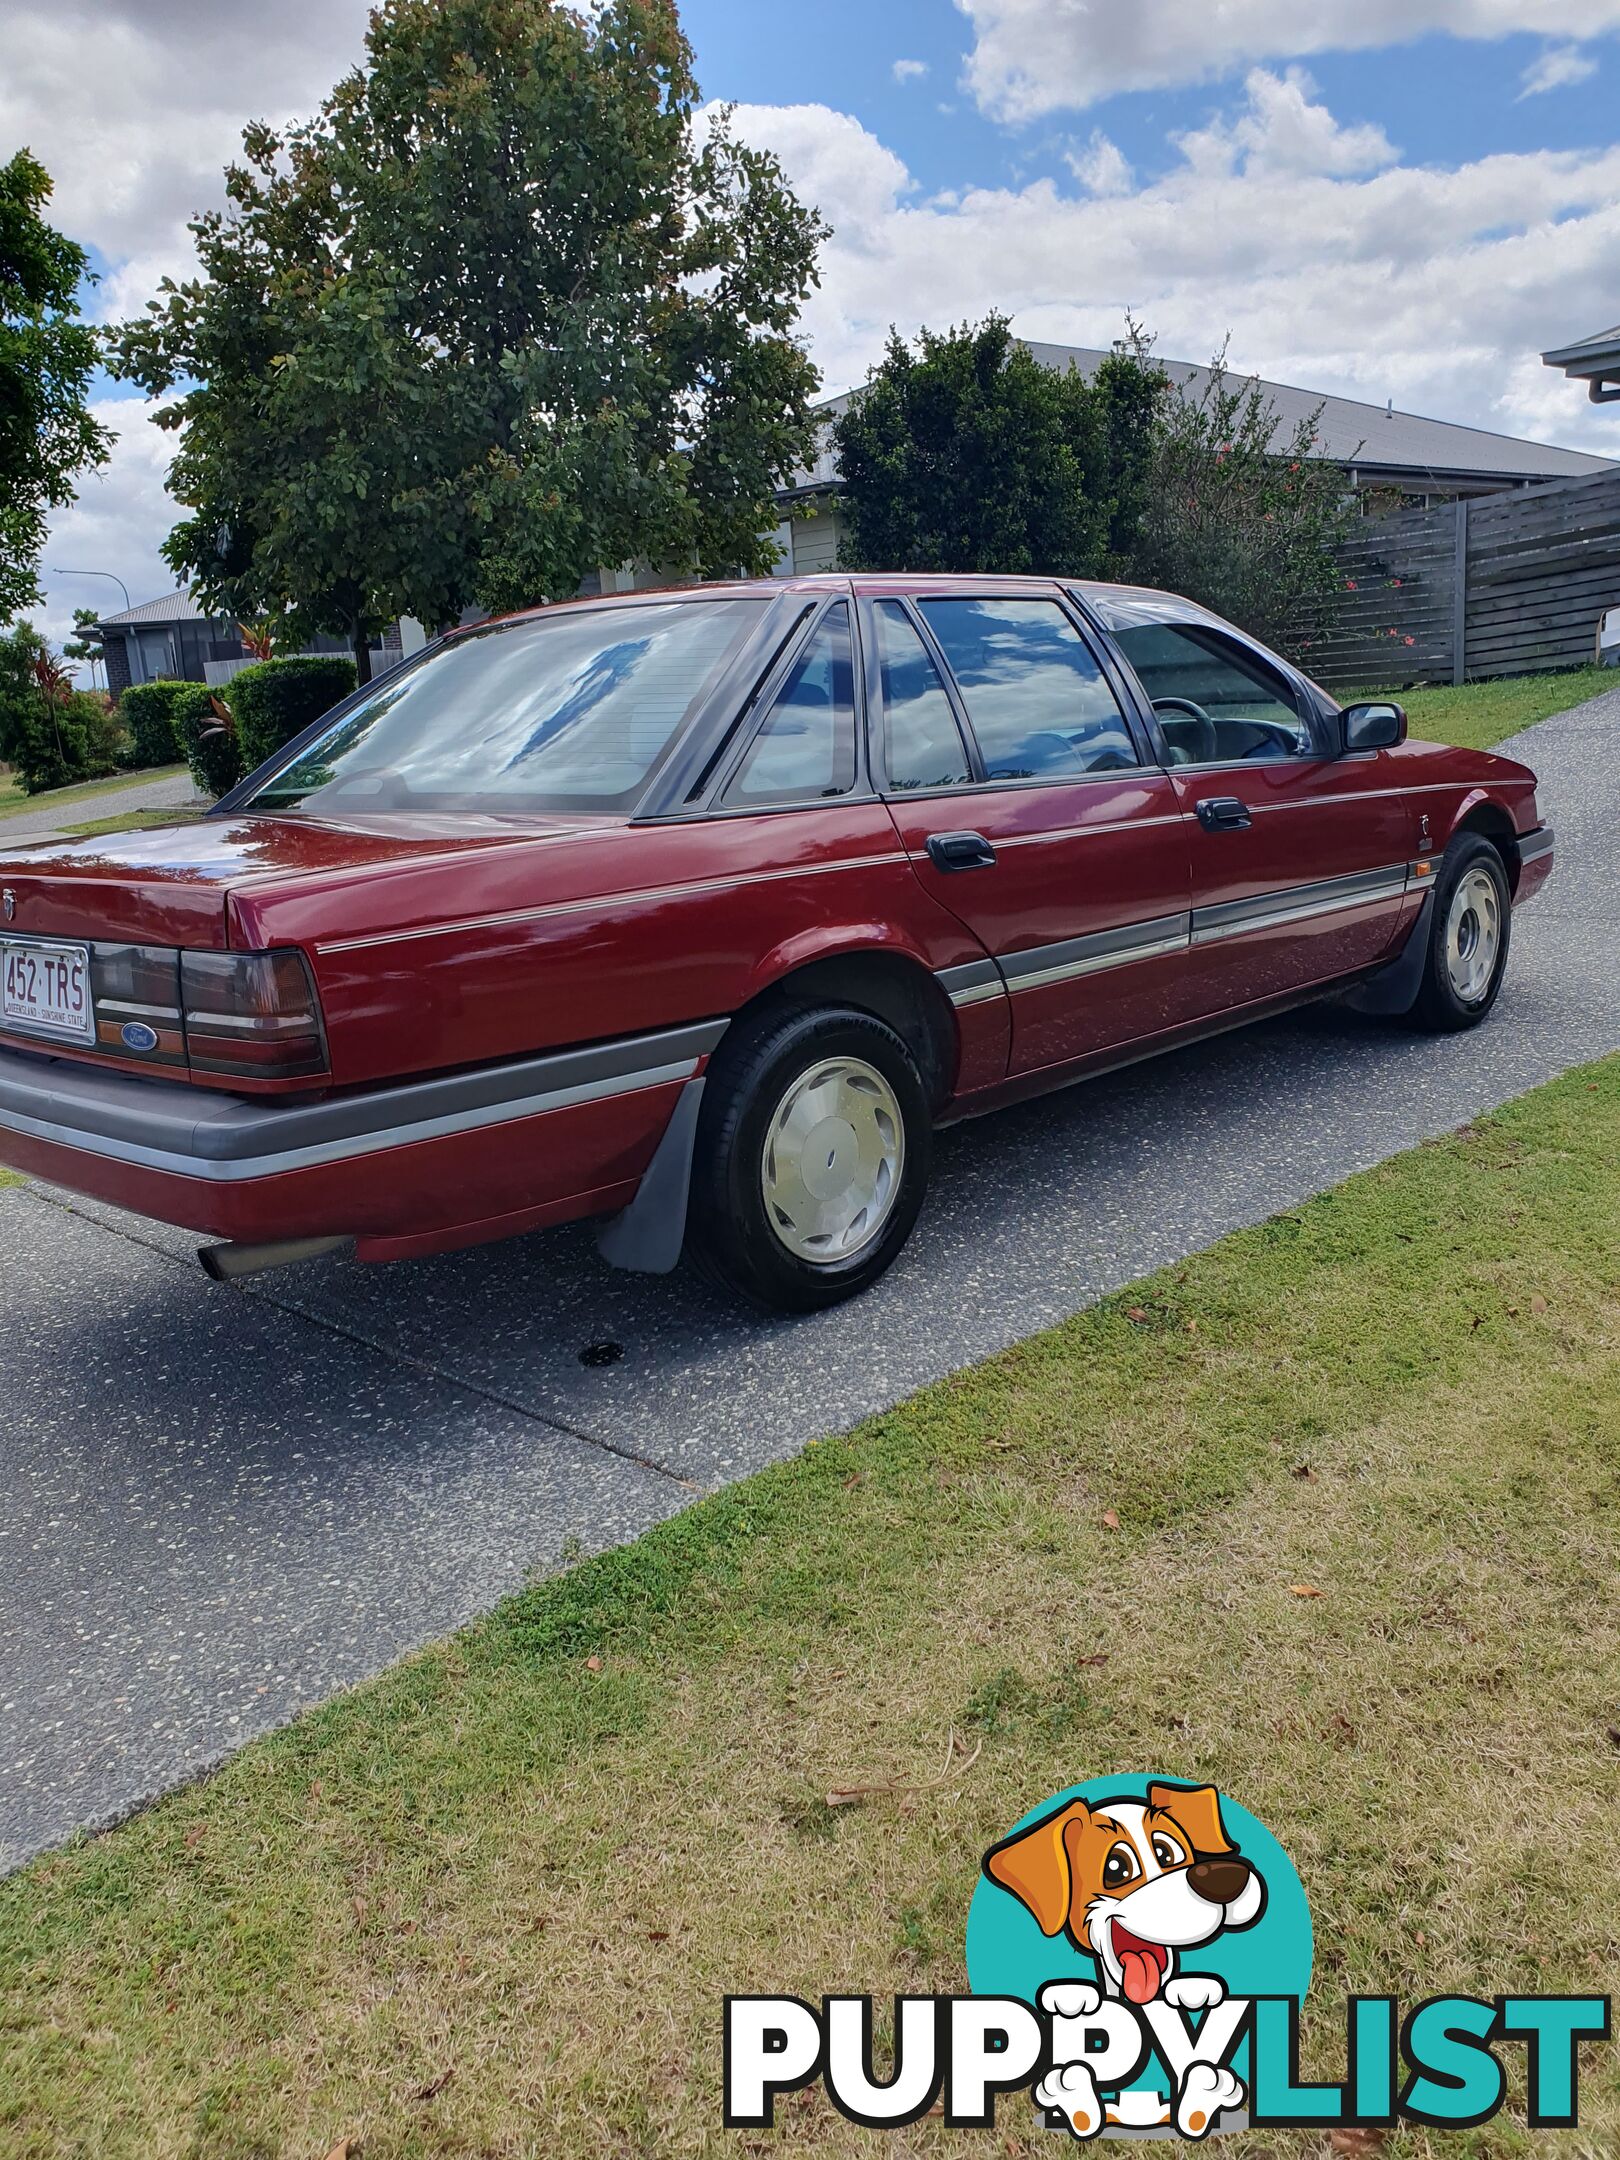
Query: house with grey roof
[172,639]
[1388,456]
[1594,360]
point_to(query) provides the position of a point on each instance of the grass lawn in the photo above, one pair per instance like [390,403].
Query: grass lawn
[133,821]
[1477,715]
[14,800]
[490,1903]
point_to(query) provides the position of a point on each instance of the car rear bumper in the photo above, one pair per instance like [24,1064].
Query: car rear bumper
[413,1167]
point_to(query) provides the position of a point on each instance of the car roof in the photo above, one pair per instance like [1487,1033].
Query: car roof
[1124,603]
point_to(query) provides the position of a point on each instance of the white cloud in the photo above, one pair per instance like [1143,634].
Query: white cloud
[136,106]
[909,70]
[1101,167]
[1039,56]
[118,524]
[1556,69]
[1282,131]
[1330,264]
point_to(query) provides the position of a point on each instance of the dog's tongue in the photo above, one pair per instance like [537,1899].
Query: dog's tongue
[1140,1974]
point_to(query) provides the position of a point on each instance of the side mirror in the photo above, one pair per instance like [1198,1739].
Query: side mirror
[1373,727]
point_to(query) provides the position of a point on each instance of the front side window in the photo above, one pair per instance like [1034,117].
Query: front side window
[1038,702]
[558,712]
[804,749]
[922,742]
[1215,703]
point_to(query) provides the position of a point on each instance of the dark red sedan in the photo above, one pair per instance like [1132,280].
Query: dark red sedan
[697,912]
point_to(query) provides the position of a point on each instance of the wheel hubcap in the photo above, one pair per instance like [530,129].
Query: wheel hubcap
[833,1156]
[1473,936]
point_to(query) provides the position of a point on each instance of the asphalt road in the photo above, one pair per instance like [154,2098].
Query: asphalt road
[219,1505]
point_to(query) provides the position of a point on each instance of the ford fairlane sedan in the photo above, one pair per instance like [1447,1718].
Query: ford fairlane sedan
[697,912]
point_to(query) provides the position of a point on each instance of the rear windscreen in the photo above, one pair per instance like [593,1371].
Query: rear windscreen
[565,712]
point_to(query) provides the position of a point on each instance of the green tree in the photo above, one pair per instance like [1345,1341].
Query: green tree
[965,453]
[85,643]
[1243,517]
[51,733]
[47,354]
[496,315]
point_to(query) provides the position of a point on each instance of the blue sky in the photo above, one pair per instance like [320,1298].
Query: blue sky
[1445,100]
[1409,218]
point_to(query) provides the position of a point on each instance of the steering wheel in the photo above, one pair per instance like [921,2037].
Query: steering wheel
[1208,747]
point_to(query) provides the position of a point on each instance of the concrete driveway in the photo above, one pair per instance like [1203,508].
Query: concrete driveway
[220,1505]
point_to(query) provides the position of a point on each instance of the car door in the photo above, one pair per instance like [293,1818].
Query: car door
[1028,807]
[1299,854]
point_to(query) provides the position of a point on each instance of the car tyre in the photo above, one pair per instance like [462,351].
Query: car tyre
[1470,925]
[812,1157]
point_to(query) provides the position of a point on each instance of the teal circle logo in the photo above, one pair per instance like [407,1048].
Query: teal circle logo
[1136,1899]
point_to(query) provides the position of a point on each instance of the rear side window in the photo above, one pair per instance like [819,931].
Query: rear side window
[805,747]
[922,742]
[1038,702]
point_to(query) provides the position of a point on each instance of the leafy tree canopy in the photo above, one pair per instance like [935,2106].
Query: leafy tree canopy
[1241,520]
[498,314]
[47,435]
[965,453]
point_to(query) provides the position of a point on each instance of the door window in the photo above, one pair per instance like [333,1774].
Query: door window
[804,749]
[1216,703]
[922,741]
[1038,702]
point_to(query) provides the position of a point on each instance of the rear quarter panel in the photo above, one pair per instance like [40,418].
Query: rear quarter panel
[578,937]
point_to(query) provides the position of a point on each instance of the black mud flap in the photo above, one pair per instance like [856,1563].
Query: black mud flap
[1394,989]
[647,1236]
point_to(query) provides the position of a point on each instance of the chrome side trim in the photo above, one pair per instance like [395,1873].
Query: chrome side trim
[972,983]
[163,1126]
[1073,957]
[1298,903]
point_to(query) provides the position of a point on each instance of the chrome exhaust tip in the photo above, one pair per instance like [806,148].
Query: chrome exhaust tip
[231,1263]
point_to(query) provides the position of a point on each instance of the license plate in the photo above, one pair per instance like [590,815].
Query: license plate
[46,989]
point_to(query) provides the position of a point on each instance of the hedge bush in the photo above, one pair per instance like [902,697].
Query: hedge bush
[277,699]
[149,710]
[206,726]
[52,742]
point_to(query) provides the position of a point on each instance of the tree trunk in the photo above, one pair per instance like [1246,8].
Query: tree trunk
[360,644]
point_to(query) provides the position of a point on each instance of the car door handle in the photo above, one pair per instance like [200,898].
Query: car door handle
[960,851]
[1223,813]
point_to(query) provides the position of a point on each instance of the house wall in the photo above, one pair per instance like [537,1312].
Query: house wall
[815,543]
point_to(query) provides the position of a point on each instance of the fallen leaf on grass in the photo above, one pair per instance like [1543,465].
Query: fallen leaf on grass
[1538,1304]
[1614,1736]
[434,2086]
[1137,1314]
[593,1663]
[658,1934]
[852,1795]
[193,1836]
[359,1905]
[1110,1519]
[344,2149]
[1305,1589]
[1304,1472]
[1095,1657]
[1357,2141]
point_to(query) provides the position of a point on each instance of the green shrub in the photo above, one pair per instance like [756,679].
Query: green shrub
[277,699]
[206,726]
[149,714]
[52,742]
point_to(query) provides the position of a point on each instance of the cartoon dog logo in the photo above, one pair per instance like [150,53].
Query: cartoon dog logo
[1134,1883]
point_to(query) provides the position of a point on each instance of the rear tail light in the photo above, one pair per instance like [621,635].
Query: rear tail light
[136,992]
[251,1014]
